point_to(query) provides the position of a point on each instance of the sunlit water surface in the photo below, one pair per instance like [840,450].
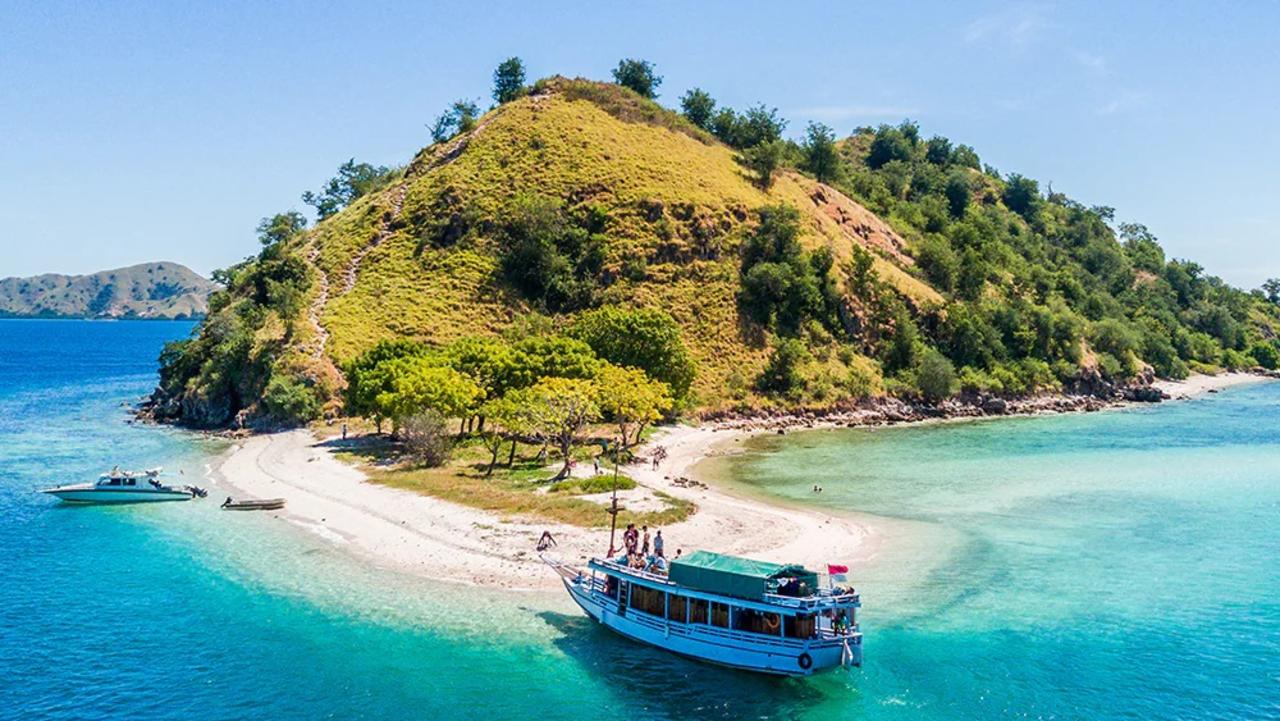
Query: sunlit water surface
[1115,565]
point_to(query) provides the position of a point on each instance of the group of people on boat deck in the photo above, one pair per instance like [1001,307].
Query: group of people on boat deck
[636,544]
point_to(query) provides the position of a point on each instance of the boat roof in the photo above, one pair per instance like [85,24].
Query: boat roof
[734,575]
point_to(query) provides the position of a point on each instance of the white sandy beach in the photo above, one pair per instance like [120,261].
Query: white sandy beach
[441,540]
[410,532]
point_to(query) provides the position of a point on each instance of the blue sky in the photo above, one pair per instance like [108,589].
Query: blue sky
[164,131]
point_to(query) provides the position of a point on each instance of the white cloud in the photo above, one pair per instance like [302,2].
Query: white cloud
[1091,61]
[1016,25]
[1122,102]
[848,112]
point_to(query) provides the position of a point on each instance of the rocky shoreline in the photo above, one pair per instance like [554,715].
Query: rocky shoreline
[884,411]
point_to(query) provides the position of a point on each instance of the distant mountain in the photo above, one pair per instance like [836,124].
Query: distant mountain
[147,290]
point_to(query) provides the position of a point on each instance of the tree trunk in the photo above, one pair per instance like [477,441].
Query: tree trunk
[480,424]
[497,448]
[566,446]
[511,459]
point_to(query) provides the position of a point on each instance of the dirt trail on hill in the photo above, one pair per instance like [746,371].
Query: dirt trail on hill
[352,273]
[317,306]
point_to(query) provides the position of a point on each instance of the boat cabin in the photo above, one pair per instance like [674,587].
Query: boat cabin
[763,610]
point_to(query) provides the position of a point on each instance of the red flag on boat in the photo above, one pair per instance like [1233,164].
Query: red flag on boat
[834,570]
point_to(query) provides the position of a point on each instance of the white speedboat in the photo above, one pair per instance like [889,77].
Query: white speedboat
[119,486]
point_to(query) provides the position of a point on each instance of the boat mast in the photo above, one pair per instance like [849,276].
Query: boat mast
[613,507]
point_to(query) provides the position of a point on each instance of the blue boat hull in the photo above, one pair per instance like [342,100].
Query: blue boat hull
[750,652]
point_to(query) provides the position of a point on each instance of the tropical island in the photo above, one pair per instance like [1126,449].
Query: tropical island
[549,278]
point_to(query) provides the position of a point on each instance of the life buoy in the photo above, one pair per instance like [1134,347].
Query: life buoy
[771,623]
[805,661]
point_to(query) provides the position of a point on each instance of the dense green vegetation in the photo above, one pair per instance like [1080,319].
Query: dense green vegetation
[229,365]
[1039,290]
[584,255]
[1037,285]
[543,388]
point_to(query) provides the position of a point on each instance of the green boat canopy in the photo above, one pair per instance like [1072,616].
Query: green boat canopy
[734,576]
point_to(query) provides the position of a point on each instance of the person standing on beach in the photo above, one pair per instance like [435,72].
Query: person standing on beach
[344,431]
[644,548]
[657,543]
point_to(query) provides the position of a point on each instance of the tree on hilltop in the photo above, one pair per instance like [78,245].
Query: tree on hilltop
[459,118]
[764,160]
[1272,288]
[699,107]
[275,230]
[820,157]
[639,76]
[352,181]
[508,80]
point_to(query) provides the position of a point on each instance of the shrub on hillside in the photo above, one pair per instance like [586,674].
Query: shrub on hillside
[936,377]
[784,372]
[290,400]
[1266,354]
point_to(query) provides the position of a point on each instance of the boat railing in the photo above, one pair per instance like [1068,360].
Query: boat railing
[628,570]
[823,597]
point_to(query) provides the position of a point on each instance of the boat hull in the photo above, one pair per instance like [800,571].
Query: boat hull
[100,496]
[718,646]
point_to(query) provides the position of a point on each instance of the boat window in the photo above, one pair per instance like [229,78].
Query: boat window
[649,600]
[113,482]
[745,619]
[676,608]
[697,610]
[130,482]
[720,614]
[611,586]
[799,627]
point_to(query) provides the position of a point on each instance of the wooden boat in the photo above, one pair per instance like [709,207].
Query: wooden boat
[738,612]
[262,504]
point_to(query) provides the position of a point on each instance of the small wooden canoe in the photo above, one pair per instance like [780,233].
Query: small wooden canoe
[264,504]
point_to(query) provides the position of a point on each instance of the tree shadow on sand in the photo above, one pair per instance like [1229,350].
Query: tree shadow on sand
[655,683]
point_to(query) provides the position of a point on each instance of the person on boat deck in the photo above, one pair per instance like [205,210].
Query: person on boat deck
[644,547]
[657,544]
[657,564]
[629,538]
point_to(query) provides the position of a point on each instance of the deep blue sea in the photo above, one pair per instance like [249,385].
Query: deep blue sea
[1118,565]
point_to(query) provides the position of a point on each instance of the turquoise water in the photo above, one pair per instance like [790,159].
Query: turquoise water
[1117,565]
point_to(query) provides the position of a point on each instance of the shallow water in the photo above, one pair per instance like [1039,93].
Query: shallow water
[1112,565]
[1117,565]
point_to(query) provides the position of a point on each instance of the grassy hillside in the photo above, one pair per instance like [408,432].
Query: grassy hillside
[147,290]
[892,281]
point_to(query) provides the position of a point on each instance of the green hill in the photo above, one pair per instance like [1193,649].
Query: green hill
[147,290]
[912,270]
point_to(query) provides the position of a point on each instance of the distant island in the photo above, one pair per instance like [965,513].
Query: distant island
[148,290]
